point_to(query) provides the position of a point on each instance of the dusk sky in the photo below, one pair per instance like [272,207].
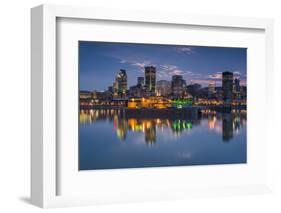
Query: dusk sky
[99,62]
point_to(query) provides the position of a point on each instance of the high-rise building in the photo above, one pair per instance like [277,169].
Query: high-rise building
[178,86]
[150,78]
[140,82]
[115,89]
[227,87]
[163,88]
[193,89]
[243,92]
[237,84]
[121,83]
[211,89]
[135,91]
[236,88]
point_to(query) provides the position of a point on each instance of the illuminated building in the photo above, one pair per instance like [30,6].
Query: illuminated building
[163,88]
[178,86]
[236,88]
[151,102]
[150,79]
[120,84]
[227,87]
[211,89]
[85,94]
[139,90]
[135,91]
[115,89]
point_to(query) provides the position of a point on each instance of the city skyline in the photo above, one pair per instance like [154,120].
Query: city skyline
[161,105]
[202,65]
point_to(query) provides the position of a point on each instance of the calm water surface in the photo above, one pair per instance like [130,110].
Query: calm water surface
[109,140]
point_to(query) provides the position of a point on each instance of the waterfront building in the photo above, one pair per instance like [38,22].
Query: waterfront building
[135,91]
[85,94]
[178,86]
[149,102]
[163,88]
[227,87]
[150,79]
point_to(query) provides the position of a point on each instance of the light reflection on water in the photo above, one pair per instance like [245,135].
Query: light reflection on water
[109,139]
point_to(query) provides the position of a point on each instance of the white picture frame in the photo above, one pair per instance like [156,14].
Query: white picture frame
[44,135]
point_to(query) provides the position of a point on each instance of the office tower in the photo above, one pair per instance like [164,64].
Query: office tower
[211,89]
[163,88]
[193,89]
[178,86]
[140,82]
[236,88]
[227,87]
[121,83]
[150,79]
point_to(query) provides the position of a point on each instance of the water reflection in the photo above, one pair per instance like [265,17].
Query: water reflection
[225,124]
[111,139]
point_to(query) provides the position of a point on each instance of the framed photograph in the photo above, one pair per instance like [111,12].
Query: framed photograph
[129,106]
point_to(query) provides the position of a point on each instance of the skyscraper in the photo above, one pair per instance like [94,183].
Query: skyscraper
[237,84]
[227,87]
[211,89]
[178,86]
[121,83]
[163,88]
[115,89]
[140,82]
[193,89]
[236,88]
[150,78]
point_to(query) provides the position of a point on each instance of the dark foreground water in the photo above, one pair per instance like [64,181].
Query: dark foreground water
[108,139]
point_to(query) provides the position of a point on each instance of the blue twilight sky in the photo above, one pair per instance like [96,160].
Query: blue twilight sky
[99,62]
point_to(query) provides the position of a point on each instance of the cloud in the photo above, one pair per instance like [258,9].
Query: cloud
[163,71]
[205,82]
[168,70]
[217,75]
[123,61]
[140,63]
[237,74]
[185,50]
